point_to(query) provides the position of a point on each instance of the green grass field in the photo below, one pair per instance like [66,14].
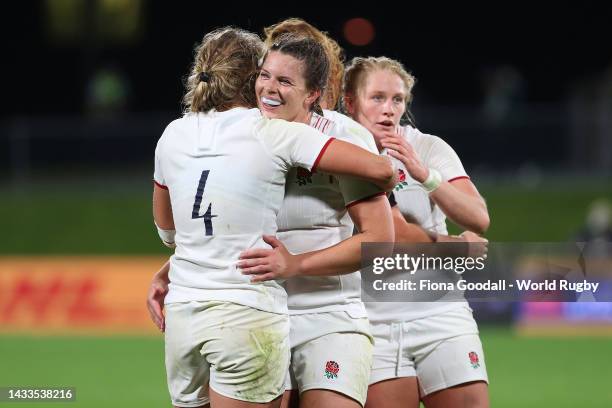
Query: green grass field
[69,221]
[129,372]
[106,372]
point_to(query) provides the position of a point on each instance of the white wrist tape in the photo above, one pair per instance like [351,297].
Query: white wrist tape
[167,236]
[433,180]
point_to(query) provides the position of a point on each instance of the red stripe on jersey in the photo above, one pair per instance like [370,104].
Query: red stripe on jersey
[160,185]
[458,178]
[316,163]
[366,199]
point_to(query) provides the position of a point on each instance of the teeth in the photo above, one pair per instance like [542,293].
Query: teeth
[270,101]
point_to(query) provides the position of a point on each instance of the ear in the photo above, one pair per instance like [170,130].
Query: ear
[312,97]
[349,103]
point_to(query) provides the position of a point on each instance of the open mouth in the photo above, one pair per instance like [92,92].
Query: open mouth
[270,102]
[386,123]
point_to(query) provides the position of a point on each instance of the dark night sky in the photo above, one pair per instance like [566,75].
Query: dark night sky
[448,48]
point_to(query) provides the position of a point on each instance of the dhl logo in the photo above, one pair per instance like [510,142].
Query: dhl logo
[76,294]
[74,298]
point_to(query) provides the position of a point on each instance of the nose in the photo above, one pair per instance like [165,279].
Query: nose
[271,86]
[388,108]
[270,91]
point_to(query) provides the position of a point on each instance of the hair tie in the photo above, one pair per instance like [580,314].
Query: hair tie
[204,77]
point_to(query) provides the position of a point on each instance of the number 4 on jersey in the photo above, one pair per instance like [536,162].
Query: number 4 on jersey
[208,216]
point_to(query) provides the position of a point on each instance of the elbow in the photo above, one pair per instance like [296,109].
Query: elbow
[482,223]
[480,219]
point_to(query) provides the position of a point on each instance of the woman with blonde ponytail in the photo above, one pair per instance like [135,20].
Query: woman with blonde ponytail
[224,72]
[219,182]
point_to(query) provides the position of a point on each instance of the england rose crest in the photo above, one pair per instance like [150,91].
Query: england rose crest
[402,180]
[401,174]
[474,361]
[331,370]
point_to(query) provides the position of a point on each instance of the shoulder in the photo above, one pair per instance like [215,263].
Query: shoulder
[171,128]
[279,134]
[274,126]
[435,152]
[349,130]
[426,144]
[184,123]
[179,123]
[230,117]
[345,125]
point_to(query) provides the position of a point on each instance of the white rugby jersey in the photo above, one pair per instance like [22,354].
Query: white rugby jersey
[314,216]
[414,203]
[226,173]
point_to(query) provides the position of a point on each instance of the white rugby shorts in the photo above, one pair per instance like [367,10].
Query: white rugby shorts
[330,351]
[443,350]
[242,352]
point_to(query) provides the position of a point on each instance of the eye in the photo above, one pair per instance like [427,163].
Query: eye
[398,99]
[285,81]
[264,75]
[377,98]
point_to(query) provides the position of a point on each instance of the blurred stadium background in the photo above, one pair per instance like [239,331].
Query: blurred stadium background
[523,95]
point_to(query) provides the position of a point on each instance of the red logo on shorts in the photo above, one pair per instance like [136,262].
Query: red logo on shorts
[331,370]
[474,361]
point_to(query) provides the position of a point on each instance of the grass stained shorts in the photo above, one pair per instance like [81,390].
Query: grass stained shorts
[241,352]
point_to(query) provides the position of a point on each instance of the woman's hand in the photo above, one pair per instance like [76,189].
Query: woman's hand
[269,264]
[155,301]
[398,147]
[477,245]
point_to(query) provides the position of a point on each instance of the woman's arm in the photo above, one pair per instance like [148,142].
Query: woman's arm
[458,199]
[462,204]
[343,158]
[162,215]
[407,232]
[373,220]
[162,209]
[297,141]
